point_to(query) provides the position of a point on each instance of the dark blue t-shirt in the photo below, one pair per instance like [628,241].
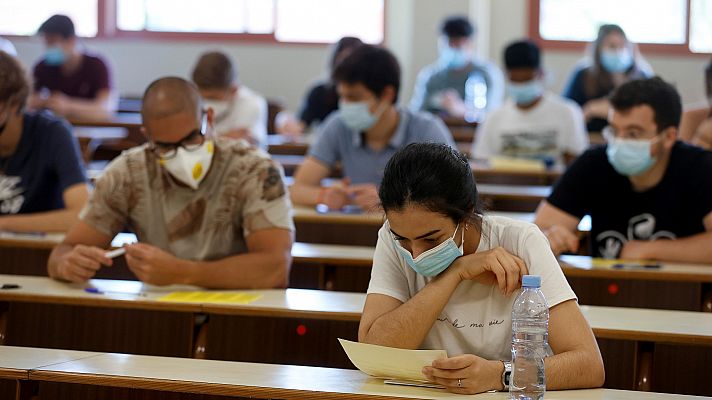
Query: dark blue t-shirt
[45,163]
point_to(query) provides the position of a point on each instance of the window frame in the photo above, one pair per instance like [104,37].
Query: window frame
[107,30]
[682,49]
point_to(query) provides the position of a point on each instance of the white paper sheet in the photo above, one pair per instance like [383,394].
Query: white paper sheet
[390,363]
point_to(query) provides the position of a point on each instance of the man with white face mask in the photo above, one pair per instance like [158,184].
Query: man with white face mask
[208,212]
[533,123]
[647,193]
[240,113]
[441,87]
[363,134]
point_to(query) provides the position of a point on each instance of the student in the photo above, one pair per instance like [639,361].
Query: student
[240,113]
[440,87]
[321,100]
[68,81]
[207,212]
[614,60]
[647,193]
[693,120]
[42,181]
[7,47]
[533,123]
[366,131]
[445,277]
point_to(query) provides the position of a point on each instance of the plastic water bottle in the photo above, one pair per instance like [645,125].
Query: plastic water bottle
[475,98]
[530,327]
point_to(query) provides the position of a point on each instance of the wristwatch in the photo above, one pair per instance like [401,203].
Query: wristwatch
[506,375]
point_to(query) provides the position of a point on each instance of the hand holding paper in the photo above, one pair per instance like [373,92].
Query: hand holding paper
[391,363]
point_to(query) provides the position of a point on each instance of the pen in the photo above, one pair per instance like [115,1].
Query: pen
[115,253]
[9,286]
[99,291]
[636,266]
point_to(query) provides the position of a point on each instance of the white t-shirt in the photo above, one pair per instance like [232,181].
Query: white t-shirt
[477,319]
[247,111]
[553,127]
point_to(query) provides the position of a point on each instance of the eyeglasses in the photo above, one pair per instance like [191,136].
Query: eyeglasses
[610,135]
[190,142]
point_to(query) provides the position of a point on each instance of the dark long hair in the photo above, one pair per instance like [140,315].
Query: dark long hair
[433,176]
[598,80]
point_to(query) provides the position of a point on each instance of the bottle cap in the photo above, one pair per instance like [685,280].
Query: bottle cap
[531,281]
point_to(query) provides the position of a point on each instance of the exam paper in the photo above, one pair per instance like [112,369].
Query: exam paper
[390,363]
[205,297]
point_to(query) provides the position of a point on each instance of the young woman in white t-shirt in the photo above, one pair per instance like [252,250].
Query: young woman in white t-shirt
[445,277]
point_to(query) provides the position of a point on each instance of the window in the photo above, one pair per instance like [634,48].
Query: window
[24,17]
[284,21]
[667,25]
[701,26]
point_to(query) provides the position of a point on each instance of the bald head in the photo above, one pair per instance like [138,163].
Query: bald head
[169,96]
[171,109]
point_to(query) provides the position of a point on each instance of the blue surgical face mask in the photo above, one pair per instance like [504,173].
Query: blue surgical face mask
[616,61]
[452,58]
[54,56]
[630,157]
[525,93]
[434,261]
[357,116]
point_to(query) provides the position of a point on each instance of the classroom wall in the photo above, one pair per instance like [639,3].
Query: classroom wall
[411,27]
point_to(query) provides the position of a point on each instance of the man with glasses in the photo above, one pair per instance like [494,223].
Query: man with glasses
[207,212]
[649,195]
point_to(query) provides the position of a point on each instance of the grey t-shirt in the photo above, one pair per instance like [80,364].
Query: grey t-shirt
[360,163]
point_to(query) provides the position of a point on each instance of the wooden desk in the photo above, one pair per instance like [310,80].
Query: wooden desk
[673,286]
[17,362]
[513,198]
[286,145]
[122,376]
[485,174]
[301,326]
[128,121]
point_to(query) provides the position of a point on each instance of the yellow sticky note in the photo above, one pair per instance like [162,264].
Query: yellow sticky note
[211,297]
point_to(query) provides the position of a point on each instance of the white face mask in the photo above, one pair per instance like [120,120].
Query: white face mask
[222,108]
[190,167]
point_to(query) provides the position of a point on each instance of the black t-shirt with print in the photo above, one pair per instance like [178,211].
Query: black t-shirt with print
[675,208]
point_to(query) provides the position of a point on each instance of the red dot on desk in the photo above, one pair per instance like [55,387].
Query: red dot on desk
[301,330]
[613,288]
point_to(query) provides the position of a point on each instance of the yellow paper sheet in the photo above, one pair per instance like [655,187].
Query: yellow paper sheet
[516,164]
[390,363]
[211,297]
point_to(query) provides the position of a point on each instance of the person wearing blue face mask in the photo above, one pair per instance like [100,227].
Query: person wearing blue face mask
[441,87]
[445,276]
[647,193]
[533,123]
[67,81]
[613,60]
[363,134]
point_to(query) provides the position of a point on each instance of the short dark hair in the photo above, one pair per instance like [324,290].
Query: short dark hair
[214,70]
[433,176]
[522,54]
[374,67]
[457,26]
[345,43]
[661,96]
[58,24]
[14,82]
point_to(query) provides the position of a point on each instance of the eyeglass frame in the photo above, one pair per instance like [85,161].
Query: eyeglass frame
[609,134]
[172,148]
